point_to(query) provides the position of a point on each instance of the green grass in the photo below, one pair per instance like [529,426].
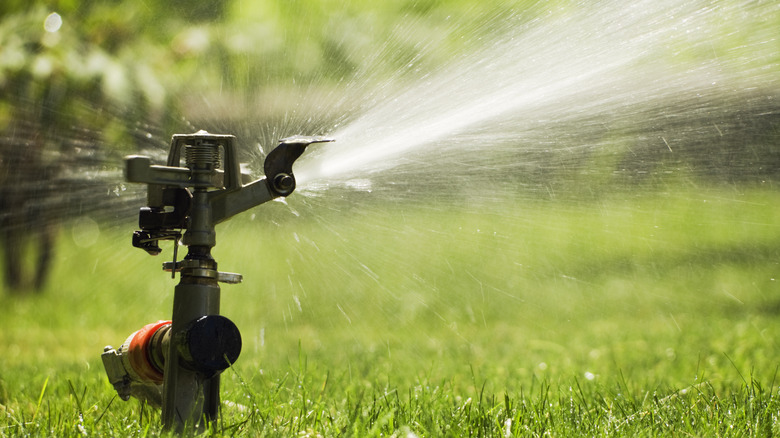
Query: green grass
[633,315]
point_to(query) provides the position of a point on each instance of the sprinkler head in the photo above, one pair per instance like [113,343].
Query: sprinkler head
[206,162]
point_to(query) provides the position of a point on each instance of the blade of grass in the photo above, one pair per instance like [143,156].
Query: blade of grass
[40,398]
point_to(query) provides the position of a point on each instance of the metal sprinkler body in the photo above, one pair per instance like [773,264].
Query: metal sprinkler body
[176,364]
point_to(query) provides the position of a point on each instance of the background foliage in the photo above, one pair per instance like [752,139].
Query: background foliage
[618,291]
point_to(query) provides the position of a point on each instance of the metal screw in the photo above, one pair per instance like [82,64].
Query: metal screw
[284,183]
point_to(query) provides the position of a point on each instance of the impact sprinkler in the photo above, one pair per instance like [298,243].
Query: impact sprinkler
[176,364]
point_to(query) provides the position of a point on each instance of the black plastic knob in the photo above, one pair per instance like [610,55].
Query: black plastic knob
[210,345]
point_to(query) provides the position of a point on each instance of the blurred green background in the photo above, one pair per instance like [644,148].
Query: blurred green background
[629,270]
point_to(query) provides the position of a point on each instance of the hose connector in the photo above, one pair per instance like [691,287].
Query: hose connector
[136,368]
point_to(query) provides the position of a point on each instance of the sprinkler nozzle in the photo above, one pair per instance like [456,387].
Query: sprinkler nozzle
[278,163]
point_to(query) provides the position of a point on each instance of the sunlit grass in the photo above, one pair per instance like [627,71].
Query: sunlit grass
[649,314]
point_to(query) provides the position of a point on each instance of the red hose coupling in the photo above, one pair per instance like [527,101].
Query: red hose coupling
[146,351]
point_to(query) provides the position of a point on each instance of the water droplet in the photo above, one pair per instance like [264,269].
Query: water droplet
[85,232]
[53,22]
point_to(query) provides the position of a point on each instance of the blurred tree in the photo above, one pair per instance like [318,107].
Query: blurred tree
[69,83]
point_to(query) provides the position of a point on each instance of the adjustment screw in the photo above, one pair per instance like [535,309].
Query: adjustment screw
[284,183]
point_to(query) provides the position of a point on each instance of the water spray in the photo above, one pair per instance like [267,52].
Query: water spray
[176,364]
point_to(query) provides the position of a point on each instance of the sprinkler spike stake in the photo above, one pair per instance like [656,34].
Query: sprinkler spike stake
[176,364]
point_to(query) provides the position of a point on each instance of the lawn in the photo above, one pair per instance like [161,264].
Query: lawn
[634,314]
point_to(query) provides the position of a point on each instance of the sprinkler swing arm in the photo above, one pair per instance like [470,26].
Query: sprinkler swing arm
[176,364]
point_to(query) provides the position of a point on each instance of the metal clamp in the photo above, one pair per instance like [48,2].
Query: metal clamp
[194,268]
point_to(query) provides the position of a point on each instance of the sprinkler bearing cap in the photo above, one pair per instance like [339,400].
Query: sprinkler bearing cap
[210,345]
